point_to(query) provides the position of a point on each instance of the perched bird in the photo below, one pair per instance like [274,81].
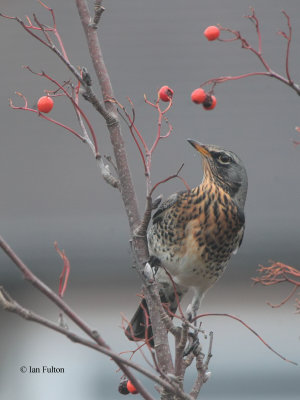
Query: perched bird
[194,233]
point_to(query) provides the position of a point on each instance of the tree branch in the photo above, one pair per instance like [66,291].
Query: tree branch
[249,328]
[11,305]
[139,243]
[94,335]
[259,54]
[126,185]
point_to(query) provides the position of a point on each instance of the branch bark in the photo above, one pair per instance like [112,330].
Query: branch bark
[139,242]
[127,188]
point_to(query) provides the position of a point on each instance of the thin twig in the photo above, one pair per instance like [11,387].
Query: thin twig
[293,291]
[41,115]
[248,327]
[169,178]
[48,77]
[258,53]
[289,39]
[90,95]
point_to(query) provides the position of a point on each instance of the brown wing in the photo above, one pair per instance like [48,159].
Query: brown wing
[165,206]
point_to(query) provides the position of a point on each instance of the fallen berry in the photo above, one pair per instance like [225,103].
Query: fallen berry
[212,32]
[165,93]
[131,388]
[198,96]
[210,102]
[45,104]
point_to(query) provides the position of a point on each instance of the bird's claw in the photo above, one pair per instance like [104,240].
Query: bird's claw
[189,313]
[148,272]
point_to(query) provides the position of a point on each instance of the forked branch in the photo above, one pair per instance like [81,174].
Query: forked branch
[268,71]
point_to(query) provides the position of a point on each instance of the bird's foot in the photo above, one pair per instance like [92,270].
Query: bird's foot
[191,313]
[151,268]
[148,272]
[155,263]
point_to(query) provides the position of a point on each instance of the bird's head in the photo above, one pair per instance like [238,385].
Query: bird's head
[225,168]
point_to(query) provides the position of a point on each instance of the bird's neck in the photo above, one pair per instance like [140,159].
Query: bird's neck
[235,191]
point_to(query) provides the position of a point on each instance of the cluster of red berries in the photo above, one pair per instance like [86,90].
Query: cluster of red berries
[126,387]
[199,96]
[165,93]
[208,101]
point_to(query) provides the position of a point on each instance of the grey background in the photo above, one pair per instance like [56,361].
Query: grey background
[51,190]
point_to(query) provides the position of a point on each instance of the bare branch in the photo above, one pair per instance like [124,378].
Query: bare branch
[11,305]
[89,95]
[169,178]
[139,244]
[289,39]
[64,276]
[79,110]
[26,108]
[258,53]
[127,189]
[293,291]
[94,335]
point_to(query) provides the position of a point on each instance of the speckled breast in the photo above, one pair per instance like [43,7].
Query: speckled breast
[200,230]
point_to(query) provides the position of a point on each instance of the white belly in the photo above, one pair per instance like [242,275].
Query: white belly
[189,272]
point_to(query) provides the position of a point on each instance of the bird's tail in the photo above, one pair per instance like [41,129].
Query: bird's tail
[140,324]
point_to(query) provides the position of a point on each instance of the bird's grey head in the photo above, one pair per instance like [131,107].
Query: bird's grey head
[225,168]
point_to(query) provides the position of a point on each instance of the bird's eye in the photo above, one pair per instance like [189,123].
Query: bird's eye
[224,158]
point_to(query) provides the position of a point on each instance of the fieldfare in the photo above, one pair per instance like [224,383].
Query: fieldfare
[194,233]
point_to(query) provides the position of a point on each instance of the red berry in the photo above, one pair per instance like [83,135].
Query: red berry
[198,96]
[212,32]
[131,388]
[45,104]
[165,93]
[210,102]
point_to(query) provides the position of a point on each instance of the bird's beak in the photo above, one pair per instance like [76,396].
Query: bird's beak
[200,147]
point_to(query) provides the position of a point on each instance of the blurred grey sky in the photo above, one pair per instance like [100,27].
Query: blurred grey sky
[51,189]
